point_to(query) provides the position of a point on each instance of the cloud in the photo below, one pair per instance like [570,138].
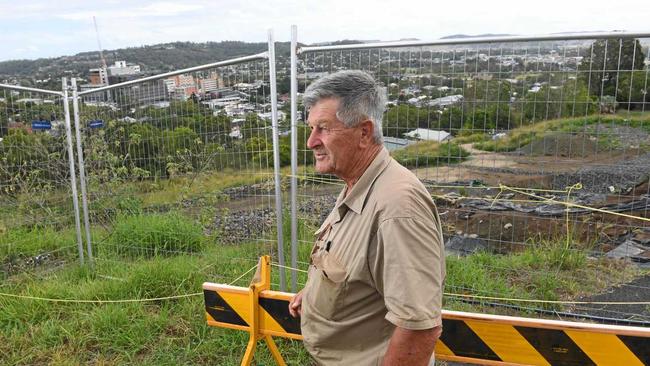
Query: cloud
[124,23]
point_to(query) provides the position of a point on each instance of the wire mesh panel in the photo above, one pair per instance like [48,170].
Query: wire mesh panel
[536,152]
[38,230]
[178,163]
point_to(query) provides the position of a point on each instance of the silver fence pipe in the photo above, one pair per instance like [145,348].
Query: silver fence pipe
[73,176]
[276,158]
[294,157]
[33,90]
[233,61]
[82,170]
[474,40]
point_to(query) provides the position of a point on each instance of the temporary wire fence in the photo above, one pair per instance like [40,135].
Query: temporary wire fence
[534,148]
[174,158]
[38,202]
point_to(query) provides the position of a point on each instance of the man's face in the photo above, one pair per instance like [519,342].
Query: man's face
[334,145]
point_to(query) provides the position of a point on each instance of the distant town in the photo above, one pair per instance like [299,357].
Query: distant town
[440,81]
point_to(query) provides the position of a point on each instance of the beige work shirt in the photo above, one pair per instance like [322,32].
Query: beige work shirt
[377,263]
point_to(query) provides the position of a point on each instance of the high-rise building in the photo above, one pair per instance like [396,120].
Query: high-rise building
[98,77]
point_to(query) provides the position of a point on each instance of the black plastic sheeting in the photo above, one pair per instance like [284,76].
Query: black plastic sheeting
[553,209]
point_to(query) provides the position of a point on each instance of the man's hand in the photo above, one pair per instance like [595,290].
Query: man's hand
[411,347]
[295,305]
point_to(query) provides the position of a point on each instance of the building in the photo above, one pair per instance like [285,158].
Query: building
[181,86]
[98,77]
[394,143]
[99,97]
[267,115]
[208,85]
[446,101]
[148,93]
[35,101]
[428,135]
[121,68]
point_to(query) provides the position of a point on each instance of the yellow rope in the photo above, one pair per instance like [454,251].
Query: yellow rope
[323,180]
[290,268]
[501,188]
[26,297]
[99,301]
[497,187]
[568,231]
[578,206]
[338,181]
[245,273]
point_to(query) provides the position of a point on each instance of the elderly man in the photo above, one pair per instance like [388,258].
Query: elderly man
[374,289]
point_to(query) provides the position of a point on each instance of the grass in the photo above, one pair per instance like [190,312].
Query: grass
[471,138]
[161,332]
[174,189]
[524,135]
[25,242]
[156,234]
[430,153]
[546,271]
[171,332]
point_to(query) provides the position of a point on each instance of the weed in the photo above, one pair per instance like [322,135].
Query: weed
[156,234]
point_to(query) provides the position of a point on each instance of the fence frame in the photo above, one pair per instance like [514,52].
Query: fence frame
[296,51]
[82,171]
[267,55]
[68,132]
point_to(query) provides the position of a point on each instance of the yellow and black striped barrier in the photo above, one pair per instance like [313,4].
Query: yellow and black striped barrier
[467,337]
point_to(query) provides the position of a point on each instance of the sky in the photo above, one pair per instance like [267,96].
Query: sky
[31,29]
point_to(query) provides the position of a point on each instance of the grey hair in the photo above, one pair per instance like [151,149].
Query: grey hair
[360,98]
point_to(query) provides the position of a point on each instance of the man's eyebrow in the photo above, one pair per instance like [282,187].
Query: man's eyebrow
[319,122]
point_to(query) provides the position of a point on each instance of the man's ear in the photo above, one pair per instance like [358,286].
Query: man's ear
[367,132]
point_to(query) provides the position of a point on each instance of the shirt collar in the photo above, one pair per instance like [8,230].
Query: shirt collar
[357,197]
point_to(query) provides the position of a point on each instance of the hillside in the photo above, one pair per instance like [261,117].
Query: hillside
[153,59]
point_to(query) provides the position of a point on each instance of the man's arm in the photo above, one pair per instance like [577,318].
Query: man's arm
[411,347]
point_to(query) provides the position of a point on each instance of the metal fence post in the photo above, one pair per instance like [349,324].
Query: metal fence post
[73,177]
[276,158]
[82,170]
[294,157]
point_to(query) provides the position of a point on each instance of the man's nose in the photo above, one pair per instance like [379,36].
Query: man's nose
[313,141]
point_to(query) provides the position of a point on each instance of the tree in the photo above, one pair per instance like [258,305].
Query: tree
[401,119]
[605,59]
[31,162]
[452,119]
[549,102]
[254,126]
[633,88]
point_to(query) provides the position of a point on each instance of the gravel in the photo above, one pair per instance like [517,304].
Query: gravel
[635,291]
[240,226]
[620,177]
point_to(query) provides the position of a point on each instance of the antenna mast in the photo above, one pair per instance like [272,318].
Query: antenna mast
[101,53]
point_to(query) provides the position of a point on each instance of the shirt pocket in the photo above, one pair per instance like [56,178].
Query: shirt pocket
[329,289]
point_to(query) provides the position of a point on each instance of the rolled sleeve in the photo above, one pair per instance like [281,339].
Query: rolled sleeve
[409,272]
